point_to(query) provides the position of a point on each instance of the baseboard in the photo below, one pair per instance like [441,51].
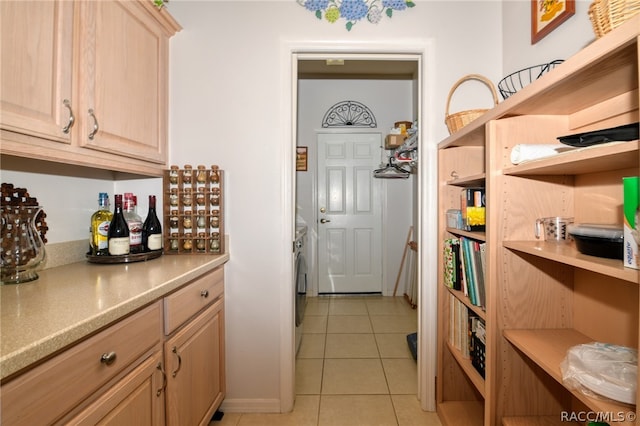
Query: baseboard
[250,405]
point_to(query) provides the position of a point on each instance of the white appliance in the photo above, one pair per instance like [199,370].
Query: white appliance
[300,286]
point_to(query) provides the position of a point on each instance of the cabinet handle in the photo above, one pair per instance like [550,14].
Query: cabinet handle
[164,379]
[72,118]
[175,351]
[108,358]
[204,293]
[95,124]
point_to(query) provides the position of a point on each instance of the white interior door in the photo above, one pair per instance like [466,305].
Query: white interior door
[350,213]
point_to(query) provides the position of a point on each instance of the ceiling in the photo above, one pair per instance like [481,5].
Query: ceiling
[358,69]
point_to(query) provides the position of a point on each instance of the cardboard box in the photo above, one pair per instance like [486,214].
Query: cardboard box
[394,141]
[630,225]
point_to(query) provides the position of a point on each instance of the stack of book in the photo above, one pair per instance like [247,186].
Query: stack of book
[466,329]
[464,268]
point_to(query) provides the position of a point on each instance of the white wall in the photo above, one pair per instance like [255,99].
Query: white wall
[389,101]
[227,108]
[518,52]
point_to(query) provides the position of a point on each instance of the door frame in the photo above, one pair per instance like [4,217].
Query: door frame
[421,50]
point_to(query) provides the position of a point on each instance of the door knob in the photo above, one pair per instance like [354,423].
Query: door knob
[323,220]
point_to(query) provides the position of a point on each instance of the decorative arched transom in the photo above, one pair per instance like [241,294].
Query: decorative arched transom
[349,114]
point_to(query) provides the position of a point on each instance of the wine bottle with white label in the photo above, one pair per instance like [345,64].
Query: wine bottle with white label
[152,229]
[118,231]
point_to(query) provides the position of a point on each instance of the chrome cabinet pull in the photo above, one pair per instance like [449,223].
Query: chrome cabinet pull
[95,124]
[164,379]
[175,351]
[72,118]
[108,358]
[204,293]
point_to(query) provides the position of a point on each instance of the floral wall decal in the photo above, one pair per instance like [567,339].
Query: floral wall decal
[355,10]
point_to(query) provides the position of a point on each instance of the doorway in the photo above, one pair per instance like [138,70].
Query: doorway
[349,204]
[425,211]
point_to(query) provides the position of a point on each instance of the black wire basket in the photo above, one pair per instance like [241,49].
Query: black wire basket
[519,79]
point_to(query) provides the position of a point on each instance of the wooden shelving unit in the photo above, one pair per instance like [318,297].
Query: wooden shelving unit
[542,298]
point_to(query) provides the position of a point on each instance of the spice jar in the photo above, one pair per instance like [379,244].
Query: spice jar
[186,221]
[201,175]
[173,242]
[200,197]
[201,244]
[186,197]
[173,175]
[187,173]
[173,219]
[215,196]
[215,218]
[215,175]
[201,220]
[187,244]
[215,242]
[173,197]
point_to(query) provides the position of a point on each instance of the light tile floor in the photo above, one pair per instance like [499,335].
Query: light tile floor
[354,367]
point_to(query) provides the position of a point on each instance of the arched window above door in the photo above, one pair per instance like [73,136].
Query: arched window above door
[349,114]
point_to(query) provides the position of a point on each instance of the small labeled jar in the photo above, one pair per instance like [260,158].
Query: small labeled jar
[200,196]
[174,220]
[187,174]
[173,175]
[215,196]
[215,242]
[187,221]
[201,175]
[187,243]
[173,242]
[214,175]
[173,197]
[201,242]
[187,197]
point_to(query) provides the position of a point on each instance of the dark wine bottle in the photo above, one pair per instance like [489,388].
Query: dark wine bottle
[152,229]
[118,231]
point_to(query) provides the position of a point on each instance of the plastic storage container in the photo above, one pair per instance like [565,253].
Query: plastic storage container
[598,240]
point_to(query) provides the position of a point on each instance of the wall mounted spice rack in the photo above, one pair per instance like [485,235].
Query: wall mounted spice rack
[193,210]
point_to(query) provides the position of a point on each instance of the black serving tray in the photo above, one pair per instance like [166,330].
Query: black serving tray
[127,258]
[628,132]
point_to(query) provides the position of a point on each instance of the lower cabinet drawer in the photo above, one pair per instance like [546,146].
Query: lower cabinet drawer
[47,392]
[191,299]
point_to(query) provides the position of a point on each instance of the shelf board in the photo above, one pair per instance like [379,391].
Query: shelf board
[474,235]
[465,299]
[536,421]
[469,181]
[468,413]
[597,158]
[468,368]
[567,254]
[547,348]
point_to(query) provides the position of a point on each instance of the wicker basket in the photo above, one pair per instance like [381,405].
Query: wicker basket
[460,119]
[606,15]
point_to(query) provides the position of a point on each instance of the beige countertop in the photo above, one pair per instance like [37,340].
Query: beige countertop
[68,303]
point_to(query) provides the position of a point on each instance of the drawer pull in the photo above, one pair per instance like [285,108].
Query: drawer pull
[204,293]
[72,119]
[175,351]
[95,124]
[164,379]
[108,358]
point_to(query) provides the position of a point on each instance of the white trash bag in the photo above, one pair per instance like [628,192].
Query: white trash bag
[602,370]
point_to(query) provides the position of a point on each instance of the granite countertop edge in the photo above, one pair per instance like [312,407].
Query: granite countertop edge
[17,357]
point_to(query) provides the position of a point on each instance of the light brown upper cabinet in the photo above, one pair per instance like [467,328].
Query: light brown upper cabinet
[86,83]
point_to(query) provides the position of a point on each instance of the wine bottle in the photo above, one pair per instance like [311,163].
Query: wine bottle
[100,221]
[134,222]
[152,229]
[118,230]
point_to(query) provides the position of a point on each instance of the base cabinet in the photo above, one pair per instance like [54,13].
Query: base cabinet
[161,365]
[135,400]
[195,369]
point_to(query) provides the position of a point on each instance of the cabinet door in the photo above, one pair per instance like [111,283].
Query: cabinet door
[137,399]
[36,67]
[123,59]
[194,357]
